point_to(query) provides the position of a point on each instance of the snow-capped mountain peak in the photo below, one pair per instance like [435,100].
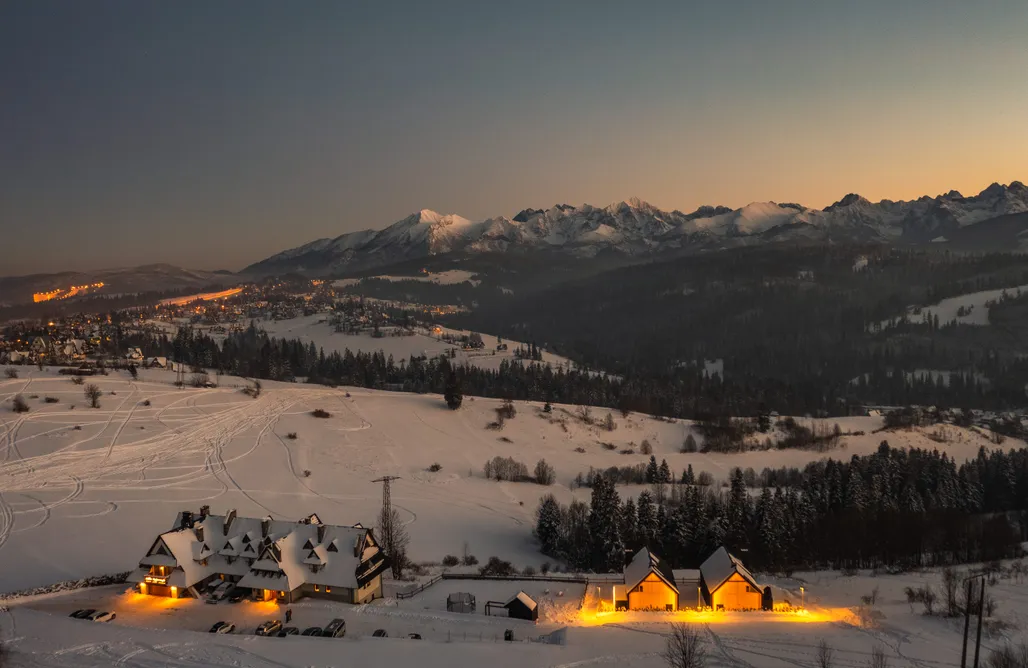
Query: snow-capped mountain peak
[634,226]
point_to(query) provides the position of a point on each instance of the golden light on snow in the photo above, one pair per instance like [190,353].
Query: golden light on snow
[794,616]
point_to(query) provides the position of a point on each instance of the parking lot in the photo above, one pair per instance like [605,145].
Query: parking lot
[423,615]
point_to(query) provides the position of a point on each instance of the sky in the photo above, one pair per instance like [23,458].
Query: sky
[213,134]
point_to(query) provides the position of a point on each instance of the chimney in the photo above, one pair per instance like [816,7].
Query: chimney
[187,519]
[204,511]
[265,527]
[199,533]
[229,518]
[321,533]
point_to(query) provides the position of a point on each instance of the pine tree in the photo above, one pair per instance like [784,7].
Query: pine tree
[547,526]
[651,470]
[664,473]
[646,525]
[737,513]
[688,477]
[629,518]
[452,392]
[608,550]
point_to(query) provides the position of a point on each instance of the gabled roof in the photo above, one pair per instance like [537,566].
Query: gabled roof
[643,563]
[722,565]
[524,598]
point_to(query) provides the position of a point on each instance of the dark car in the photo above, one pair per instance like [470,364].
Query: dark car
[335,629]
[81,614]
[217,625]
[380,633]
[414,636]
[313,631]
[237,596]
[289,631]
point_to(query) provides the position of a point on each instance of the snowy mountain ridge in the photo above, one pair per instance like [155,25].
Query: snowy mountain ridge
[637,227]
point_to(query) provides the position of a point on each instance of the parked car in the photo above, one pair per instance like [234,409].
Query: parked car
[414,636]
[380,633]
[335,629]
[104,617]
[269,628]
[289,631]
[237,595]
[223,627]
[220,592]
[83,614]
[313,631]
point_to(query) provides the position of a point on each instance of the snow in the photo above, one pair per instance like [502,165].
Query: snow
[316,328]
[976,301]
[450,277]
[87,501]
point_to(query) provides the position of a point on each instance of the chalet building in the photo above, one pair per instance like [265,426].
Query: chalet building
[649,584]
[721,582]
[727,585]
[277,560]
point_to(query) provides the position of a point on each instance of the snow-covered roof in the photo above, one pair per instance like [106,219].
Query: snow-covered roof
[525,599]
[686,575]
[643,563]
[722,565]
[275,554]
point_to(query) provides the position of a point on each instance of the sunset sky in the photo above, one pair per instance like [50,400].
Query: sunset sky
[212,134]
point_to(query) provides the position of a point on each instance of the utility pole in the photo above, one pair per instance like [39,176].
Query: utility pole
[392,538]
[967,624]
[386,495]
[981,614]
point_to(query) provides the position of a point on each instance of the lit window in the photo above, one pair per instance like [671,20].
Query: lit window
[328,590]
[317,588]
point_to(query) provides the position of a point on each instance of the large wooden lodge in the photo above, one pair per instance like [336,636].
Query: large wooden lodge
[274,559]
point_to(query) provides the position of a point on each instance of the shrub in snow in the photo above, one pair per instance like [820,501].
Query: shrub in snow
[18,404]
[11,373]
[435,467]
[78,380]
[320,413]
[291,436]
[544,473]
[450,561]
[93,394]
[496,566]
[646,448]
[50,400]
[528,570]
[469,560]
[306,473]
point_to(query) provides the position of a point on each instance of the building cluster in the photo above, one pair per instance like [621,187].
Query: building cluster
[721,582]
[273,559]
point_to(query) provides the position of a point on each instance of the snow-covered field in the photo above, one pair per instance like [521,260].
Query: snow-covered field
[84,491]
[317,329]
[450,277]
[974,304]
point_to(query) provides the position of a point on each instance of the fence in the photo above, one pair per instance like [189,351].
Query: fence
[401,595]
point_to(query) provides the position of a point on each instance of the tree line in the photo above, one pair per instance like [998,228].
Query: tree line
[892,509]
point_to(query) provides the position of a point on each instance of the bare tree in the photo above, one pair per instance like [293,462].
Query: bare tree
[1009,656]
[684,647]
[93,394]
[878,658]
[824,654]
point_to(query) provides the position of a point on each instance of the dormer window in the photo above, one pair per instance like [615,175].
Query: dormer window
[332,547]
[308,545]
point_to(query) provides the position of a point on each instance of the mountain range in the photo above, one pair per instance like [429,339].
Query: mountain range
[997,216]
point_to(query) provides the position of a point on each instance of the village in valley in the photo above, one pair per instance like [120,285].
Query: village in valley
[214,503]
